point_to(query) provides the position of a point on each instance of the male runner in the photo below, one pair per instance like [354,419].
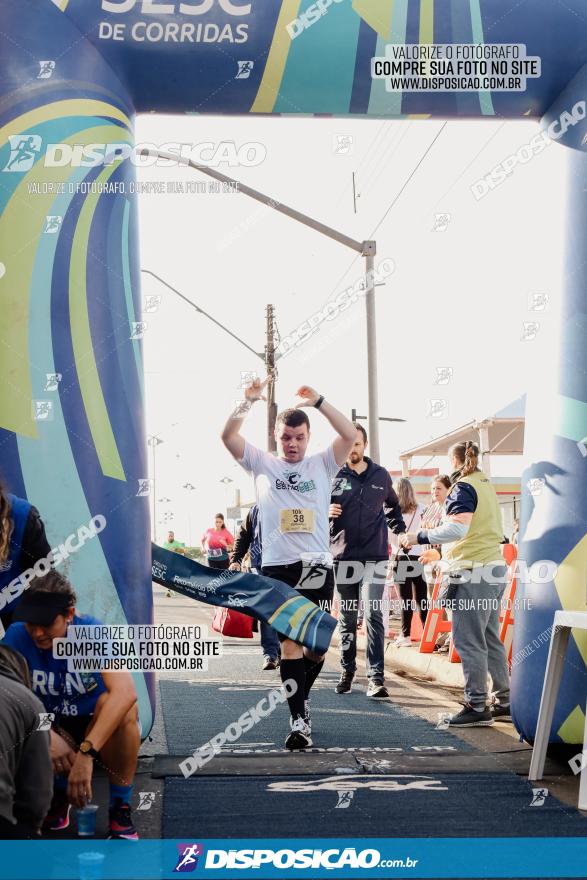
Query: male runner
[293,494]
[364,504]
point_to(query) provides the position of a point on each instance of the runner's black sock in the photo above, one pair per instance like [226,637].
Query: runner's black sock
[296,670]
[313,670]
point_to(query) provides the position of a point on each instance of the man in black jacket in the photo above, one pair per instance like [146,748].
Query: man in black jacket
[363,504]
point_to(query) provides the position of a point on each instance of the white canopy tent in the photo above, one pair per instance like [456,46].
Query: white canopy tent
[500,434]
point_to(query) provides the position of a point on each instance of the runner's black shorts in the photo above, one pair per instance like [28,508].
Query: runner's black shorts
[74,726]
[218,563]
[321,575]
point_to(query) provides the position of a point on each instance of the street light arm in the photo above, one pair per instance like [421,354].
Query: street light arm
[198,309]
[261,197]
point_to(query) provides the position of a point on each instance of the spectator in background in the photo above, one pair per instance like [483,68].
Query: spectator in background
[176,547]
[411,584]
[22,543]
[432,517]
[434,513]
[515,531]
[26,774]
[95,713]
[216,544]
[172,544]
[249,540]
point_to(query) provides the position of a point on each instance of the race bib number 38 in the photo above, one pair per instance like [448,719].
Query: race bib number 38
[296,520]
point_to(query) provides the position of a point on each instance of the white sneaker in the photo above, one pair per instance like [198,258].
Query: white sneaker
[402,642]
[299,737]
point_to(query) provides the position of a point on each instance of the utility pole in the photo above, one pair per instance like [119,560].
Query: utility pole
[271,372]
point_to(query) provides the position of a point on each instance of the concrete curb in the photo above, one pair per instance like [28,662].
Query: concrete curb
[434,667]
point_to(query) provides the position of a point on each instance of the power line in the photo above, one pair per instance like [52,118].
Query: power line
[380,150]
[353,261]
[202,312]
[436,136]
[472,162]
[362,162]
[386,156]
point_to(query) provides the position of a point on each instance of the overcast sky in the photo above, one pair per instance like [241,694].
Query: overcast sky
[458,297]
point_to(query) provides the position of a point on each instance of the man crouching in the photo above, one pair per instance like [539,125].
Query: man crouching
[95,713]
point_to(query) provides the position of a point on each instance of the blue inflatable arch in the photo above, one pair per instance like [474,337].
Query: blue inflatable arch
[77,72]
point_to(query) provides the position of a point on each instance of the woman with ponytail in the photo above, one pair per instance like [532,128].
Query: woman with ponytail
[475,577]
[22,543]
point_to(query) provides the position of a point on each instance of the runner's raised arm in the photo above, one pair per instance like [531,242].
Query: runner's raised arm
[343,426]
[231,435]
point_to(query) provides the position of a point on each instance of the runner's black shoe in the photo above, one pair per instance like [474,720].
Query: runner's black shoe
[344,684]
[57,819]
[307,717]
[120,822]
[377,690]
[500,713]
[470,717]
[270,663]
[299,736]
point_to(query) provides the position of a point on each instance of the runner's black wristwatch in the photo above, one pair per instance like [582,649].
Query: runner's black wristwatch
[319,402]
[86,748]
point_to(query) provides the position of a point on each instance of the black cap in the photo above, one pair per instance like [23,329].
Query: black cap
[41,608]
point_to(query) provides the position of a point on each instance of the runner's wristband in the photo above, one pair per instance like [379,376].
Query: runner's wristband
[319,402]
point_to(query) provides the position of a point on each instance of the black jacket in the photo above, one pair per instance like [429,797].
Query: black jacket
[248,539]
[369,506]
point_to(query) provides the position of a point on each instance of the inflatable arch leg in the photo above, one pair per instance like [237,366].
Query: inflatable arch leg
[554,518]
[74,443]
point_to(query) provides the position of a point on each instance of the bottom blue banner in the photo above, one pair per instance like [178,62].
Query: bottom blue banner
[554,857]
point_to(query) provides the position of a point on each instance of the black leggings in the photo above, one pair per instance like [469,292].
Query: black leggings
[414,587]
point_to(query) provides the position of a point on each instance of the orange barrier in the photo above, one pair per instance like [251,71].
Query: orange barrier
[416,629]
[453,657]
[509,553]
[435,623]
[506,616]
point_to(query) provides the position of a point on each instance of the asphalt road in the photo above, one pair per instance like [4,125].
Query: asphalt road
[349,732]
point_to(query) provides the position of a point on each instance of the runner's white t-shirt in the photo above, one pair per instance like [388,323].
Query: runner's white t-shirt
[293,500]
